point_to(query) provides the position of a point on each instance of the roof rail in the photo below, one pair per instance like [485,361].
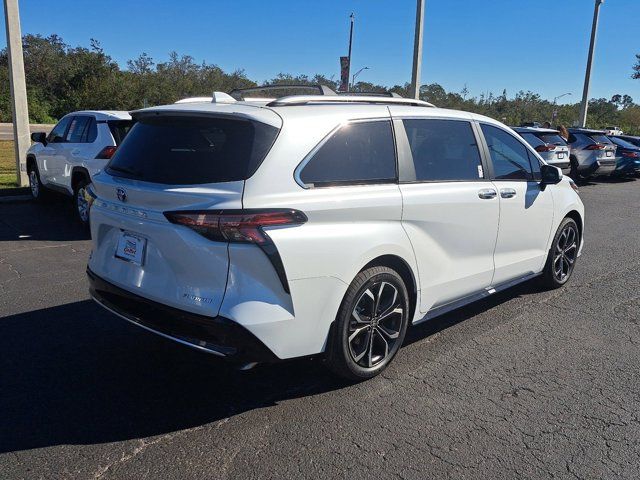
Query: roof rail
[237,93]
[307,99]
[371,94]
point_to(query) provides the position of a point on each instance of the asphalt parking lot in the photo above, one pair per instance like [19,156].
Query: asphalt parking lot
[526,384]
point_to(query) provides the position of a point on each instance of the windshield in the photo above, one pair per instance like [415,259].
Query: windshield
[183,150]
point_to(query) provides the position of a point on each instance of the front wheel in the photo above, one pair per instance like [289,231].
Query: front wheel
[35,185]
[370,326]
[562,256]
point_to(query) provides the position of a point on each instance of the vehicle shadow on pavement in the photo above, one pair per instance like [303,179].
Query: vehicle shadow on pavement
[51,221]
[75,374]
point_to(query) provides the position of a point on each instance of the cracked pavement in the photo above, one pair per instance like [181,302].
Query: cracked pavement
[525,384]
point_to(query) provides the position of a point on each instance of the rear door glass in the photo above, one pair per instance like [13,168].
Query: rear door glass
[77,128]
[182,150]
[443,150]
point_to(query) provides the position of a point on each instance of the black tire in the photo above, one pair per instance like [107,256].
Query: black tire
[80,205]
[562,256]
[362,345]
[38,191]
[574,174]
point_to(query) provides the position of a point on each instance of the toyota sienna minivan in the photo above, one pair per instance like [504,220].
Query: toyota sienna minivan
[320,225]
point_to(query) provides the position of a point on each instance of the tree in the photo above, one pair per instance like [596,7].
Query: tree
[636,67]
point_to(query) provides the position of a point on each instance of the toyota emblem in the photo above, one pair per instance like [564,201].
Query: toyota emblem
[122,194]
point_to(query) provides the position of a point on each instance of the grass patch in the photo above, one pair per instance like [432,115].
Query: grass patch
[7,165]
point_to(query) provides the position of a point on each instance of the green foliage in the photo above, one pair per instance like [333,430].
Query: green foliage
[61,79]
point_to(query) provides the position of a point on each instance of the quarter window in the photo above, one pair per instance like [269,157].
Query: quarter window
[443,150]
[359,152]
[509,156]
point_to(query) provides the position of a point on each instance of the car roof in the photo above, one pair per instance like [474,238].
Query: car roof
[104,114]
[275,114]
[534,130]
[586,131]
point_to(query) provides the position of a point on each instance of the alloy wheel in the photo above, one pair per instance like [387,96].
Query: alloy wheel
[375,324]
[34,184]
[82,205]
[566,252]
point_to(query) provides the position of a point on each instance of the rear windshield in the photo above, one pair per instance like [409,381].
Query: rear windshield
[623,143]
[119,129]
[599,138]
[552,138]
[532,139]
[180,150]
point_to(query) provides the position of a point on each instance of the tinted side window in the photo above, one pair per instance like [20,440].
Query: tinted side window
[91,132]
[360,152]
[57,134]
[77,128]
[443,150]
[509,157]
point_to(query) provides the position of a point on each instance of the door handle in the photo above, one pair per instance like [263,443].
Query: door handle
[487,193]
[507,192]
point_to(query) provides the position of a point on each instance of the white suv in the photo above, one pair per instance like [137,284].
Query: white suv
[78,147]
[268,230]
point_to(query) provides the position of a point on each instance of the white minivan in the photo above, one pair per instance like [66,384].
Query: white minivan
[320,224]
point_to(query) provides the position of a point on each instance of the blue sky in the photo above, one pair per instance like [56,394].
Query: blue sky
[487,45]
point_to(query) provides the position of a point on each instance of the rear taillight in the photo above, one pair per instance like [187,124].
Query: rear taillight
[595,146]
[244,226]
[630,154]
[106,153]
[547,147]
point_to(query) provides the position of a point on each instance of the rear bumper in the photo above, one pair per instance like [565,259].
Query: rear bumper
[217,335]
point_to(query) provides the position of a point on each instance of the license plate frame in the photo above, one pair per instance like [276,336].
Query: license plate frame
[131,248]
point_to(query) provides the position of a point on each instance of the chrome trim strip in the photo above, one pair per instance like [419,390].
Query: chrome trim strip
[175,339]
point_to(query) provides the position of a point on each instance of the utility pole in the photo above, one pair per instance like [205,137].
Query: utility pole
[417,51]
[18,87]
[353,19]
[587,77]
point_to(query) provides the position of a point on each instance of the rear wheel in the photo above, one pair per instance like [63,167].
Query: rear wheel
[574,173]
[80,202]
[370,326]
[562,255]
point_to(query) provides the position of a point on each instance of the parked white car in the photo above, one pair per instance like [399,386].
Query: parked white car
[78,147]
[307,225]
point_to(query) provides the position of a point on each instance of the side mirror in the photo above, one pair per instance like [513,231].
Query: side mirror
[550,175]
[39,137]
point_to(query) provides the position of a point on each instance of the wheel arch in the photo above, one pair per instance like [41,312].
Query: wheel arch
[400,265]
[77,174]
[575,215]
[31,161]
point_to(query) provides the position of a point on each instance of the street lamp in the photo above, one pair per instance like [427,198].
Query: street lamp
[353,79]
[554,113]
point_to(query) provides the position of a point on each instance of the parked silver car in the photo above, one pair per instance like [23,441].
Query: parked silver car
[549,144]
[592,153]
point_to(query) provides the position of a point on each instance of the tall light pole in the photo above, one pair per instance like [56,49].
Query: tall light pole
[353,19]
[587,76]
[417,51]
[18,85]
[355,75]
